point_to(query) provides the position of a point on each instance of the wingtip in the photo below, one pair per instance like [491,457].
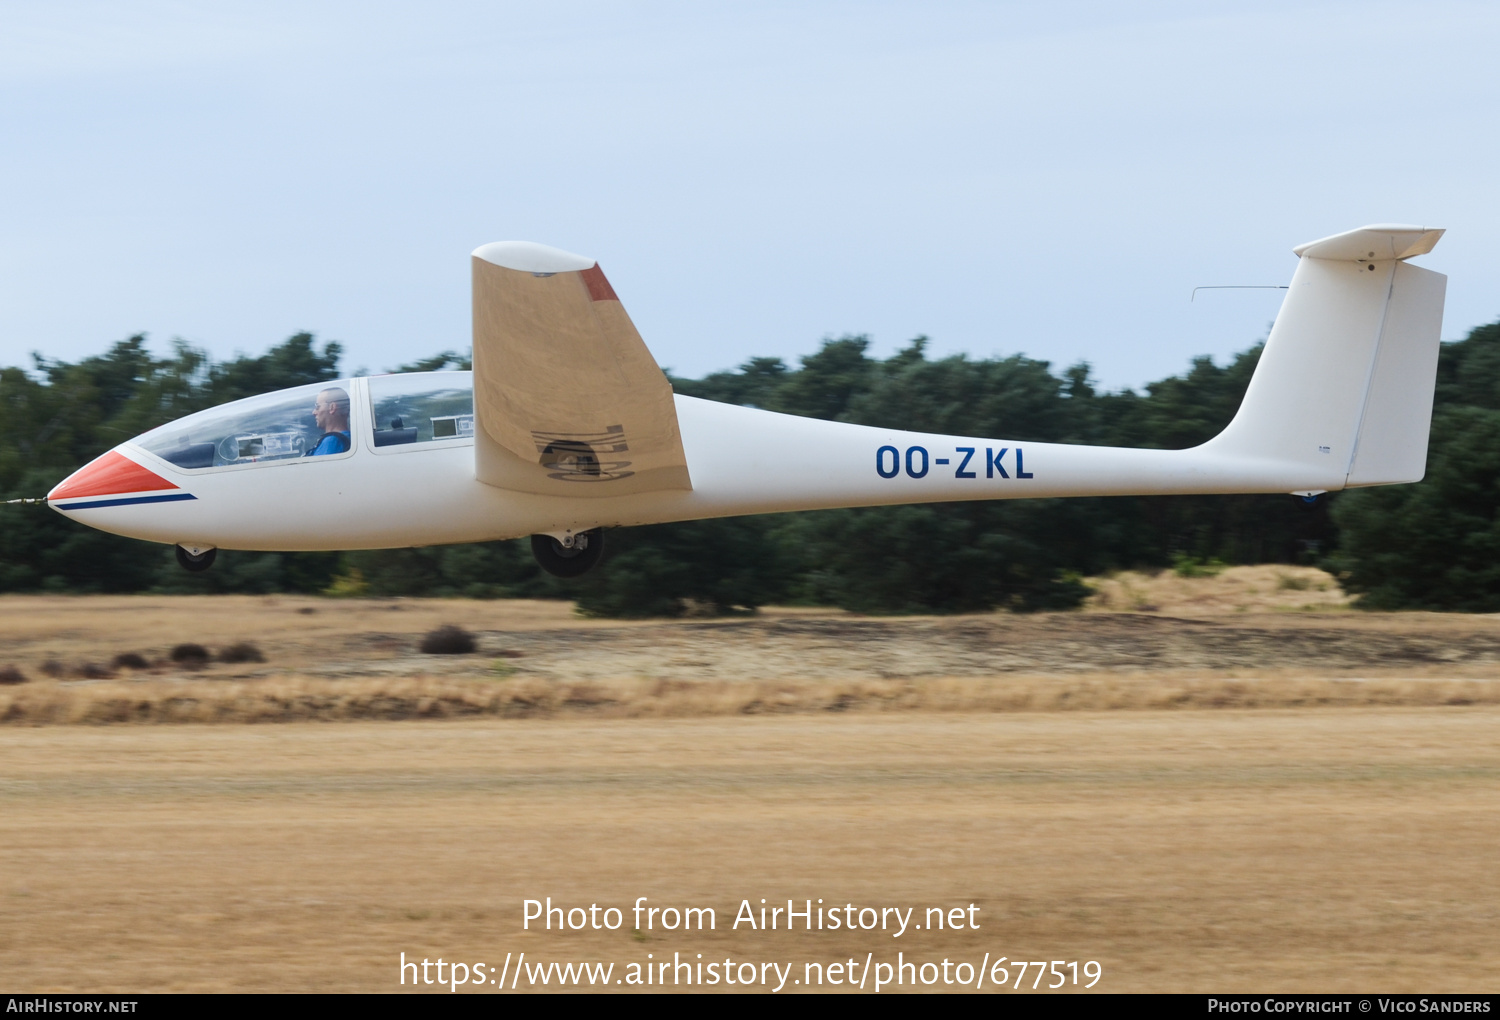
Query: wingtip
[529,257]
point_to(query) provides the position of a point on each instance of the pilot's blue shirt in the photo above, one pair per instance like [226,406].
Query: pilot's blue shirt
[332,442]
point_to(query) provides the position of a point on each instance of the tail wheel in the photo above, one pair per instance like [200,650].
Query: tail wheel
[196,564]
[569,561]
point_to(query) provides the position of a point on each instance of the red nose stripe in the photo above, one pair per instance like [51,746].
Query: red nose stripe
[108,475]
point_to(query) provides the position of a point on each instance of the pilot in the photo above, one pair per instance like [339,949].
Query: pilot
[331,412]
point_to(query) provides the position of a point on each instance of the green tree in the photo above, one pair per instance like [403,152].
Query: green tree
[1435,545]
[712,566]
[294,362]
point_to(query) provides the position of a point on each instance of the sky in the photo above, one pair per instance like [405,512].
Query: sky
[1045,179]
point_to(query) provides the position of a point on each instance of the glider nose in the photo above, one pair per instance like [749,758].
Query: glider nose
[111,480]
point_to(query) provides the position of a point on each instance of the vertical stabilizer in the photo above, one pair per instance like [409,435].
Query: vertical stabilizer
[1343,392]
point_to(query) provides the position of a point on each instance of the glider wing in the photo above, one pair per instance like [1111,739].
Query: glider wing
[567,399]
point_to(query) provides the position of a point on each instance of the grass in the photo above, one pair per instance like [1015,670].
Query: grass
[1200,589]
[1235,641]
[305,699]
[1274,852]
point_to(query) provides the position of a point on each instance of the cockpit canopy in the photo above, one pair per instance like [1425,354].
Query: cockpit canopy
[422,407]
[322,419]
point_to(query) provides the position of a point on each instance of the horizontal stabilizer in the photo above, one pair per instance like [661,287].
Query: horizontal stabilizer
[1379,243]
[567,398]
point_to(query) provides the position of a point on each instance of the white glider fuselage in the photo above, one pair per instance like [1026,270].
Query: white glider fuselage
[1342,396]
[742,460]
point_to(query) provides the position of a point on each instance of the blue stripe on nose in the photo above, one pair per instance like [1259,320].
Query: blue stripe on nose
[174,497]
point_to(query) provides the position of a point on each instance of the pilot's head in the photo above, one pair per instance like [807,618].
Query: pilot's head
[331,411]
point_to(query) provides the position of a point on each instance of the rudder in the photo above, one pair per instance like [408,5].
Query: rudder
[1392,442]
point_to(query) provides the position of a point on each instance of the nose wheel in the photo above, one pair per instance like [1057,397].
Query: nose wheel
[196,564]
[569,560]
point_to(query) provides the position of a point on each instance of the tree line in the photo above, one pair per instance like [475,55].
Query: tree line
[1430,545]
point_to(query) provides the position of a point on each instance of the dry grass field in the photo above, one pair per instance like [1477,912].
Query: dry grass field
[1200,797]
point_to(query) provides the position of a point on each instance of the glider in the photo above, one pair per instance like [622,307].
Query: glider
[566,426]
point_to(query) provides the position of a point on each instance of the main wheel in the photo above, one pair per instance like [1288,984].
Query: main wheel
[561,561]
[195,564]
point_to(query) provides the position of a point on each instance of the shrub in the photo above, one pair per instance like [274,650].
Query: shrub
[130,660]
[12,675]
[190,655]
[242,651]
[1190,566]
[448,640]
[349,585]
